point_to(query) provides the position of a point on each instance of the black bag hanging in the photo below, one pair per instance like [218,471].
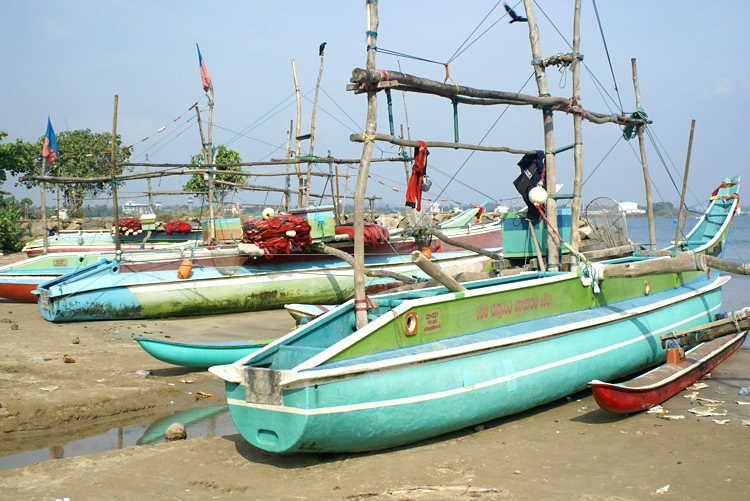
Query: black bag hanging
[532,168]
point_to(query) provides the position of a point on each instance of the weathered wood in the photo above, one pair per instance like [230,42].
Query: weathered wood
[682,262]
[112,172]
[349,259]
[622,250]
[465,245]
[706,332]
[644,163]
[364,168]
[273,161]
[575,206]
[537,249]
[684,185]
[429,267]
[360,138]
[312,128]
[469,95]
[553,253]
[297,130]
[42,187]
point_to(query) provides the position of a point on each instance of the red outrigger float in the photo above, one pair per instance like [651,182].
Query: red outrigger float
[657,385]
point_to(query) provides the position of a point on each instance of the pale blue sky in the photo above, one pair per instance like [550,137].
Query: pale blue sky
[68,59]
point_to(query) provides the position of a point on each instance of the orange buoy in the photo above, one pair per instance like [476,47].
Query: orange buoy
[185,269]
[426,252]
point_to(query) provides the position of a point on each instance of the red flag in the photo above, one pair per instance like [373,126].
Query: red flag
[49,150]
[205,79]
[414,188]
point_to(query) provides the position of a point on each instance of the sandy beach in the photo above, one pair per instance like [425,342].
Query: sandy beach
[568,449]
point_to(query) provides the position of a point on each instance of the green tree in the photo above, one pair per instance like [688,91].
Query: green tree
[223,156]
[10,226]
[26,203]
[80,153]
[664,209]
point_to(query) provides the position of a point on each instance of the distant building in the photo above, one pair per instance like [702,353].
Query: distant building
[631,208]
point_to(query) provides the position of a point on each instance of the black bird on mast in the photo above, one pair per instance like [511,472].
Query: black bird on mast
[513,16]
[322,48]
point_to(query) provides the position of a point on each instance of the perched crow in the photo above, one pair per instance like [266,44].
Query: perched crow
[322,48]
[513,16]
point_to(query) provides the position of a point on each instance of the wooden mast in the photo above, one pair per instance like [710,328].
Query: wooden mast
[45,232]
[684,185]
[575,206]
[207,176]
[312,128]
[150,193]
[553,261]
[114,183]
[296,135]
[360,301]
[644,164]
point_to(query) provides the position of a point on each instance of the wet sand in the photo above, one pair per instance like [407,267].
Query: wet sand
[569,449]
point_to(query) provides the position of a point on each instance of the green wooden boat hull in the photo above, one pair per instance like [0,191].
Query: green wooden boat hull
[200,355]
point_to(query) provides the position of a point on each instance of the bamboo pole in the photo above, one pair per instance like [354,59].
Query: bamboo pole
[113,179]
[575,206]
[644,163]
[296,135]
[278,161]
[537,249]
[150,193]
[57,189]
[312,128]
[338,197]
[723,327]
[207,161]
[432,270]
[287,179]
[45,232]
[553,253]
[360,301]
[684,185]
[406,164]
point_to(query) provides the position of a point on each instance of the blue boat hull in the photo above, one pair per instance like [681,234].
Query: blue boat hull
[416,401]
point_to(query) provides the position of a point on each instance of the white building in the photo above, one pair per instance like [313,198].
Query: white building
[631,208]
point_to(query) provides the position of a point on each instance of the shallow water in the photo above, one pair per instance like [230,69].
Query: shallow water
[199,422]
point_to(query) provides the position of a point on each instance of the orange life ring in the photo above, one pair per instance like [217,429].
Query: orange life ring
[411,323]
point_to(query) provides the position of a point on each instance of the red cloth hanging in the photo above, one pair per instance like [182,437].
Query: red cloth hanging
[414,189]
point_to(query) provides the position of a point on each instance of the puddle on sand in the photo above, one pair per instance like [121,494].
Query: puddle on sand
[199,422]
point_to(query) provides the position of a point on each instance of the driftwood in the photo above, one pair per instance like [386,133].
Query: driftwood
[469,95]
[465,245]
[429,267]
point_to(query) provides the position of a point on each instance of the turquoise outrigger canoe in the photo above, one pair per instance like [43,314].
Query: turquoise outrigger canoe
[199,355]
[433,361]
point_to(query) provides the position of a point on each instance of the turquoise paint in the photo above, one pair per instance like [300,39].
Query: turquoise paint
[201,355]
[390,425]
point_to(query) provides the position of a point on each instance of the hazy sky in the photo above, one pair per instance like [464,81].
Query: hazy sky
[68,60]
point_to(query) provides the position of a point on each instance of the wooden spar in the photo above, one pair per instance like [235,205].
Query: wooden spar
[537,249]
[359,138]
[432,270]
[575,67]
[287,182]
[465,245]
[296,135]
[621,250]
[406,164]
[212,159]
[360,301]
[312,129]
[256,187]
[553,253]
[348,258]
[206,161]
[413,83]
[684,186]
[114,182]
[408,129]
[204,145]
[279,161]
[682,262]
[149,175]
[644,163]
[45,233]
[735,324]
[148,182]
[338,198]
[331,179]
